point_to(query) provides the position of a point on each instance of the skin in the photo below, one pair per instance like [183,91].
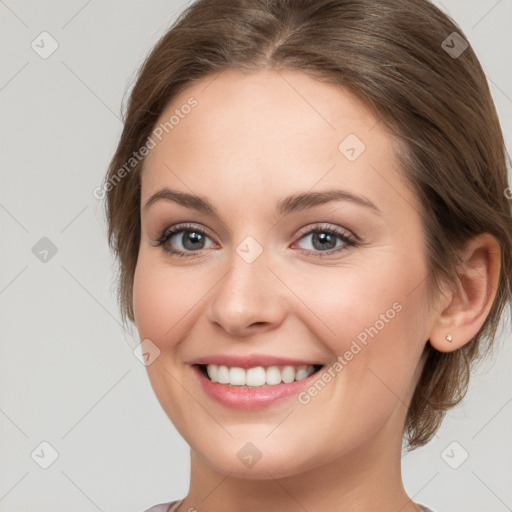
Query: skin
[251,140]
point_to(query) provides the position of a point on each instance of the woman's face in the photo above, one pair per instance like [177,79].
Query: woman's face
[309,253]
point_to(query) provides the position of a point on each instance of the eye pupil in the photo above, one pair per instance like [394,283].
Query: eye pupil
[326,240]
[195,238]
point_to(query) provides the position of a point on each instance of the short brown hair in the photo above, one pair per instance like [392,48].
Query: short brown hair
[391,55]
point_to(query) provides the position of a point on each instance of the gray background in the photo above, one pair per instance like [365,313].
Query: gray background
[68,375]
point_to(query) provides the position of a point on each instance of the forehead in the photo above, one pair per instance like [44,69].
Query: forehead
[269,130]
[266,106]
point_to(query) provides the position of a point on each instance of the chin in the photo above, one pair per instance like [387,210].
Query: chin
[258,461]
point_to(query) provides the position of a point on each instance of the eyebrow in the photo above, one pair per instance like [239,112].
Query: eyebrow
[294,203]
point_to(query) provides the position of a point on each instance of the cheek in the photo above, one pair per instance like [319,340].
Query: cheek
[374,317]
[376,336]
[161,302]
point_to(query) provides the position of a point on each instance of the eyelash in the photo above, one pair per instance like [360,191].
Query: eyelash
[167,234]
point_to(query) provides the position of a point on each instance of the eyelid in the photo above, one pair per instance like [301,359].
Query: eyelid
[348,238]
[328,227]
[169,232]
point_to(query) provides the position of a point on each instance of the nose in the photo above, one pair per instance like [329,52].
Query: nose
[249,298]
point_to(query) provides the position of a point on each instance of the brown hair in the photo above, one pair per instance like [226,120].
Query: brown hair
[391,55]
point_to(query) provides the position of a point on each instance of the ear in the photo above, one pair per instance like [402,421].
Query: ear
[465,306]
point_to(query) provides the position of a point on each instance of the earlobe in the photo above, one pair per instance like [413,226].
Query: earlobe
[467,305]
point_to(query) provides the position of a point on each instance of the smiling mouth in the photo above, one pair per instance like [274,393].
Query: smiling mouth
[257,376]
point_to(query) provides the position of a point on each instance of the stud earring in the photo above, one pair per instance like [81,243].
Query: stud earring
[449,337]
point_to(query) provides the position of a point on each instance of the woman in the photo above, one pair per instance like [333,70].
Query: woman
[309,207]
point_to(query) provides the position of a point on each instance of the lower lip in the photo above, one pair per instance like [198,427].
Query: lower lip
[251,398]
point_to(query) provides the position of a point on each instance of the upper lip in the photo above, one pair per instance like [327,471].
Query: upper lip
[250,360]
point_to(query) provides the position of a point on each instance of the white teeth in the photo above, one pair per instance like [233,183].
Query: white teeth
[273,375]
[223,375]
[255,376]
[258,376]
[213,372]
[288,374]
[302,373]
[237,376]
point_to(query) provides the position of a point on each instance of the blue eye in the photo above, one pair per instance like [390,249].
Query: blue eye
[191,237]
[325,240]
[193,240]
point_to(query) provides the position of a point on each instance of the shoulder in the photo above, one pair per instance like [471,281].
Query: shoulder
[164,507]
[161,507]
